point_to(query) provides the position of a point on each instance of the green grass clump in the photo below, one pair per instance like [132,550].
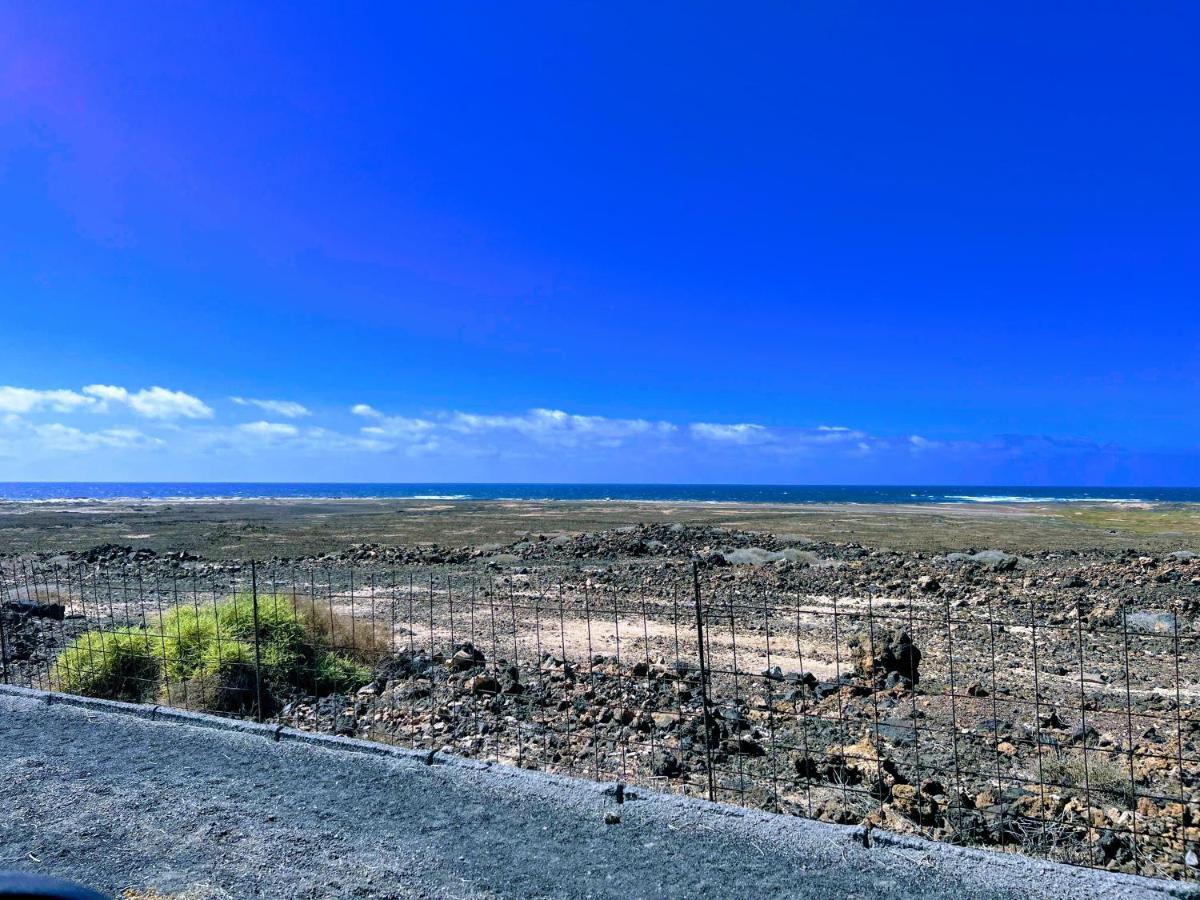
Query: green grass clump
[117,665]
[204,657]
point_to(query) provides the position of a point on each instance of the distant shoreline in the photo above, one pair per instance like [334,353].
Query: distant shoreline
[58,493]
[993,505]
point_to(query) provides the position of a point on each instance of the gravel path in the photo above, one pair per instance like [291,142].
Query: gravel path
[117,801]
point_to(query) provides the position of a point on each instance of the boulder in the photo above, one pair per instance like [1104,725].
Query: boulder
[665,765]
[888,651]
[996,560]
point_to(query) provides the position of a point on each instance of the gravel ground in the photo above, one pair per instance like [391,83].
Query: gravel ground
[117,801]
[240,529]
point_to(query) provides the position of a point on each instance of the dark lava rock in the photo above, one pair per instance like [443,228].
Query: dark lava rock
[745,746]
[465,658]
[55,611]
[1113,847]
[1051,720]
[889,650]
[665,765]
[1081,734]
[901,732]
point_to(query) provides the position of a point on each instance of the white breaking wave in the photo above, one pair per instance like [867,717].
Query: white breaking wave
[989,498]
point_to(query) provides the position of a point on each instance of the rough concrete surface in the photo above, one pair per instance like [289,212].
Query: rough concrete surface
[187,805]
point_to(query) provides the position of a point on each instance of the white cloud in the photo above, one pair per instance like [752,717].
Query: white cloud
[535,434]
[399,426]
[741,433]
[289,409]
[19,437]
[323,439]
[783,440]
[557,427]
[538,441]
[152,403]
[409,434]
[73,440]
[825,434]
[26,400]
[251,438]
[269,430]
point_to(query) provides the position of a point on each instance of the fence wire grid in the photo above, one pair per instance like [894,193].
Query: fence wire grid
[1031,729]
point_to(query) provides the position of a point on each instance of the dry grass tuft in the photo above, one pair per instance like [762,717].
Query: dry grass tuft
[365,642]
[1101,774]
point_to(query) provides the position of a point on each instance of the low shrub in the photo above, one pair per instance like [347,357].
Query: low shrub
[224,681]
[205,658]
[116,665]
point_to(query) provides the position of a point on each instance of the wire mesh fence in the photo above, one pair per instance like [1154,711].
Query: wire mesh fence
[1033,727]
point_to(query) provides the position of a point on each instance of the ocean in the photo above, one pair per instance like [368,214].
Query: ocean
[694,493]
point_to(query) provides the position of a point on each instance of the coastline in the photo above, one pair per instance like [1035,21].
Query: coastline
[602,492]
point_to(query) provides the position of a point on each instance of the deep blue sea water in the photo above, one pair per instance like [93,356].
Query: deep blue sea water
[699,493]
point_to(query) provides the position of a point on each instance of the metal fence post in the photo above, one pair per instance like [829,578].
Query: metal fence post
[708,719]
[3,641]
[258,704]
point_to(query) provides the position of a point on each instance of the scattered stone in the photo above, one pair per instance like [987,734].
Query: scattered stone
[1051,720]
[483,684]
[465,658]
[744,746]
[55,611]
[901,732]
[863,763]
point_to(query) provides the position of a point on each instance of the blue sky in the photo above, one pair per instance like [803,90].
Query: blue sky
[813,243]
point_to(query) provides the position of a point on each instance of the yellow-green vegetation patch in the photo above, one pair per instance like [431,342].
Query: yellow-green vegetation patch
[207,658]
[116,665]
